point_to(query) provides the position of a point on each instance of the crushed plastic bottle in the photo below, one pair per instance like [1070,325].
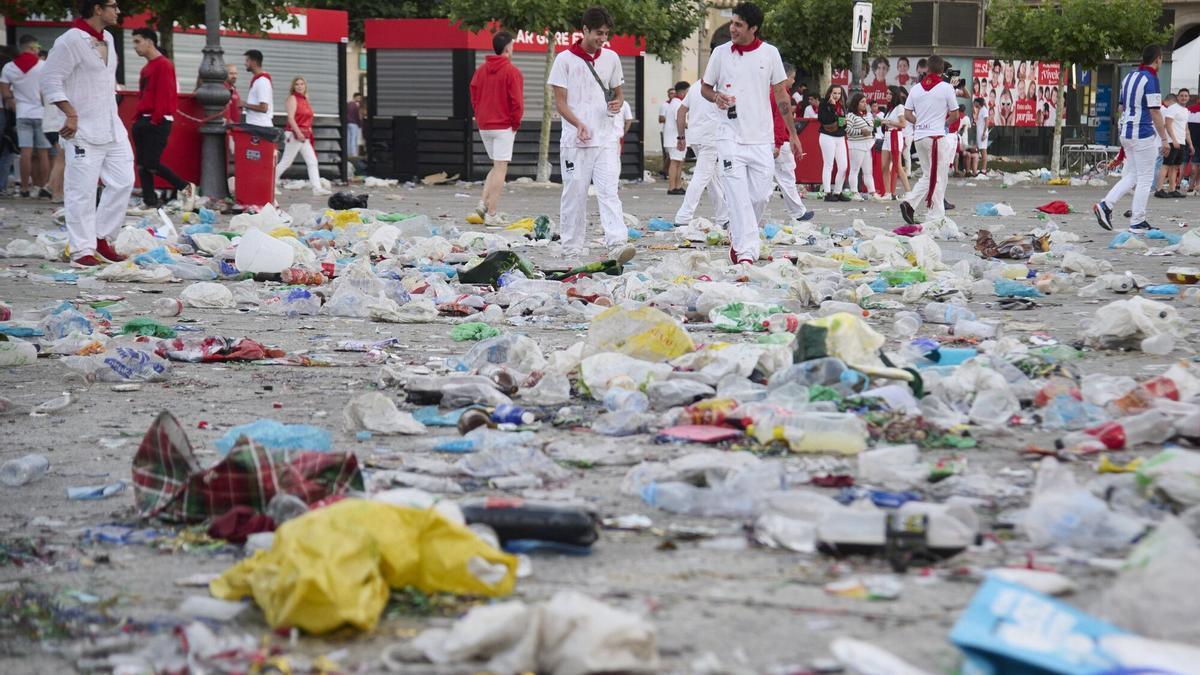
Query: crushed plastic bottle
[946,313]
[24,470]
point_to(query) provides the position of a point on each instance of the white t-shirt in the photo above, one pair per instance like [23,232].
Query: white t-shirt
[1177,116]
[671,126]
[930,108]
[662,110]
[810,113]
[619,119]
[877,118]
[748,77]
[27,89]
[585,98]
[981,118]
[1194,118]
[703,116]
[261,91]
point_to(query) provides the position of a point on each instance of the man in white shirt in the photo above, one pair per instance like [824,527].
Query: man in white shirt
[21,89]
[699,117]
[673,132]
[260,102]
[80,77]
[588,91]
[930,107]
[739,78]
[981,132]
[662,131]
[1175,119]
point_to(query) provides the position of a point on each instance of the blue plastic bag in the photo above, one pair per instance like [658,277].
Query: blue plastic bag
[274,435]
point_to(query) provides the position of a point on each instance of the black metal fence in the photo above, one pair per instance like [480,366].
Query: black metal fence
[409,147]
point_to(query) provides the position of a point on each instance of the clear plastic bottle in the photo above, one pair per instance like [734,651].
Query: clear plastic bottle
[835,306]
[1152,426]
[23,470]
[947,313]
[783,323]
[167,307]
[617,399]
[975,329]
[907,325]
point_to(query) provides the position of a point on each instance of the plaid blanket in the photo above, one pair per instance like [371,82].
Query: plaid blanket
[170,484]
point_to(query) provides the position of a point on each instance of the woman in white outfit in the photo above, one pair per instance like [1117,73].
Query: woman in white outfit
[832,117]
[860,136]
[299,136]
[893,145]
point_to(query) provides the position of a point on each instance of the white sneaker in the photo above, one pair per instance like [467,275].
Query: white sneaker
[320,192]
[142,209]
[481,210]
[495,219]
[857,197]
[622,253]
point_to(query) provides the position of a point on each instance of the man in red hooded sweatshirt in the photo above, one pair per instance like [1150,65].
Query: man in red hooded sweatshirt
[498,97]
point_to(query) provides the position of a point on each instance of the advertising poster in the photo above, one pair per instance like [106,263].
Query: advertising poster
[1018,93]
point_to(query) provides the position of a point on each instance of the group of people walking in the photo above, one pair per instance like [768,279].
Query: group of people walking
[75,86]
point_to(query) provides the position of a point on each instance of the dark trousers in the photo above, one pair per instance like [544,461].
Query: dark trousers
[149,141]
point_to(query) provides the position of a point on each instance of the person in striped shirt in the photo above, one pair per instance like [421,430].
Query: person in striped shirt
[1141,128]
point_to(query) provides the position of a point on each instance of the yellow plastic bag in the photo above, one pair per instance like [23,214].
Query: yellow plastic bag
[523,225]
[475,219]
[334,566]
[341,219]
[644,333]
[283,231]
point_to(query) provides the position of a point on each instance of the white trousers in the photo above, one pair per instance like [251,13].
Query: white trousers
[861,160]
[833,149]
[305,148]
[704,177]
[785,178]
[581,167]
[1138,175]
[921,193]
[748,171]
[87,164]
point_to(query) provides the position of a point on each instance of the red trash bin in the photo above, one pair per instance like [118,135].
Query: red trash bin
[253,168]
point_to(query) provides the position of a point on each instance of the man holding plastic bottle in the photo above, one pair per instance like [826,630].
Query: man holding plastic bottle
[739,79]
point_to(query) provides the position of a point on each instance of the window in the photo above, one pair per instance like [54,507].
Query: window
[958,24]
[916,29]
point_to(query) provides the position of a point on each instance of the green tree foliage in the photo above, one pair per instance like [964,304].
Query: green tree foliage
[664,23]
[807,32]
[250,16]
[1085,33]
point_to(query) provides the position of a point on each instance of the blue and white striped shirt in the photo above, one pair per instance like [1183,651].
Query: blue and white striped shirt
[1139,95]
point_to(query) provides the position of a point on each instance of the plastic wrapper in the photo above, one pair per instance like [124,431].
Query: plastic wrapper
[571,634]
[644,333]
[334,566]
[376,412]
[208,295]
[121,364]
[128,271]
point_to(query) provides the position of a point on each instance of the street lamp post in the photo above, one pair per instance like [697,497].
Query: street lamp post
[213,95]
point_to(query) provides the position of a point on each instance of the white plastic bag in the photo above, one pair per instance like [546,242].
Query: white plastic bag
[208,295]
[378,413]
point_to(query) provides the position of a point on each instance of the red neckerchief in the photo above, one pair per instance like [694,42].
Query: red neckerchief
[578,50]
[26,61]
[87,28]
[1149,69]
[930,81]
[837,107]
[262,74]
[742,49]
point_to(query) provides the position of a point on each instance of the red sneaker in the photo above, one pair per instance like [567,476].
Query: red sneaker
[87,261]
[107,252]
